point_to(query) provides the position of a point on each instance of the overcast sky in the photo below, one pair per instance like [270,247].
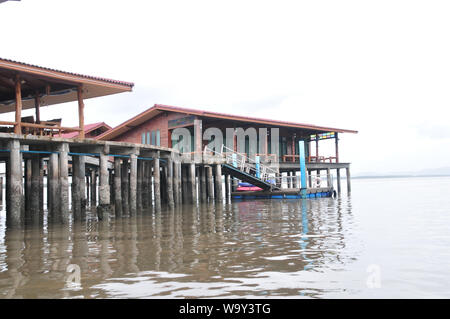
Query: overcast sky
[379,67]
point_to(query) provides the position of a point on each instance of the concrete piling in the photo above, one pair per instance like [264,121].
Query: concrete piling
[133,184]
[64,182]
[157,183]
[218,182]
[14,185]
[103,189]
[117,187]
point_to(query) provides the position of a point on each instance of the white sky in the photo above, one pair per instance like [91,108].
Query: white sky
[379,67]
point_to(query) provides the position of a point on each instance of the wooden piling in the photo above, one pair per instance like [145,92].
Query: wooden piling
[202,181]
[157,183]
[53,188]
[103,190]
[35,211]
[176,183]
[210,182]
[133,184]
[192,184]
[117,187]
[14,215]
[93,187]
[338,180]
[329,183]
[125,189]
[169,183]
[218,181]
[349,186]
[64,182]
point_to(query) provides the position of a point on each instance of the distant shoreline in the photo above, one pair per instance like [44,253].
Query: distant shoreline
[398,176]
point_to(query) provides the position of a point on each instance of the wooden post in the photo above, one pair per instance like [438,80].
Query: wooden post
[82,186]
[349,186]
[64,182]
[17,126]
[144,192]
[140,168]
[37,105]
[202,181]
[93,187]
[14,215]
[88,188]
[80,111]
[28,174]
[117,187]
[329,178]
[336,146]
[227,186]
[192,184]
[76,196]
[53,188]
[184,184]
[1,189]
[176,183]
[41,187]
[169,183]
[125,189]
[133,184]
[150,184]
[210,181]
[338,179]
[103,190]
[317,147]
[157,183]
[35,211]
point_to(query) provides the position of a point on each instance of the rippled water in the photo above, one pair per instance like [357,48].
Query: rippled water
[390,239]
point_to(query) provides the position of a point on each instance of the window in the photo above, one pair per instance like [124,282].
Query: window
[158,137]
[153,138]
[143,138]
[148,137]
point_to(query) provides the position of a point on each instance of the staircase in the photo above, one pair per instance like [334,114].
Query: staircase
[248,170]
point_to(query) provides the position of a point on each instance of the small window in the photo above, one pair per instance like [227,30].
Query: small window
[153,138]
[148,137]
[143,138]
[158,137]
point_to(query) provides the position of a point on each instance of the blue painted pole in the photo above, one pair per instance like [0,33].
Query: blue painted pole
[234,160]
[301,148]
[258,171]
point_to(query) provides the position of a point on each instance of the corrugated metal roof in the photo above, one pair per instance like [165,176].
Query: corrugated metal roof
[158,108]
[129,84]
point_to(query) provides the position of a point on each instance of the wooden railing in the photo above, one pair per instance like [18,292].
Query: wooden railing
[47,129]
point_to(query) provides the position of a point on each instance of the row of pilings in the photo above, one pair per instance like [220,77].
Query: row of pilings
[116,178]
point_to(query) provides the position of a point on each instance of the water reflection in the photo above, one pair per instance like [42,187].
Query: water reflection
[243,248]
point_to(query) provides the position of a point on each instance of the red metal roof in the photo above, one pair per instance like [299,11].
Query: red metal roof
[87,128]
[159,108]
[130,84]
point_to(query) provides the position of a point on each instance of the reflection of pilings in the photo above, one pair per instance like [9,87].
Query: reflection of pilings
[227,186]
[117,187]
[349,186]
[14,215]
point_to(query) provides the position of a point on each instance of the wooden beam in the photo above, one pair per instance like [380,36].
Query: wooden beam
[80,111]
[17,127]
[37,105]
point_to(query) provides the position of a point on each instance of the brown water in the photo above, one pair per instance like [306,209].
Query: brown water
[262,248]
